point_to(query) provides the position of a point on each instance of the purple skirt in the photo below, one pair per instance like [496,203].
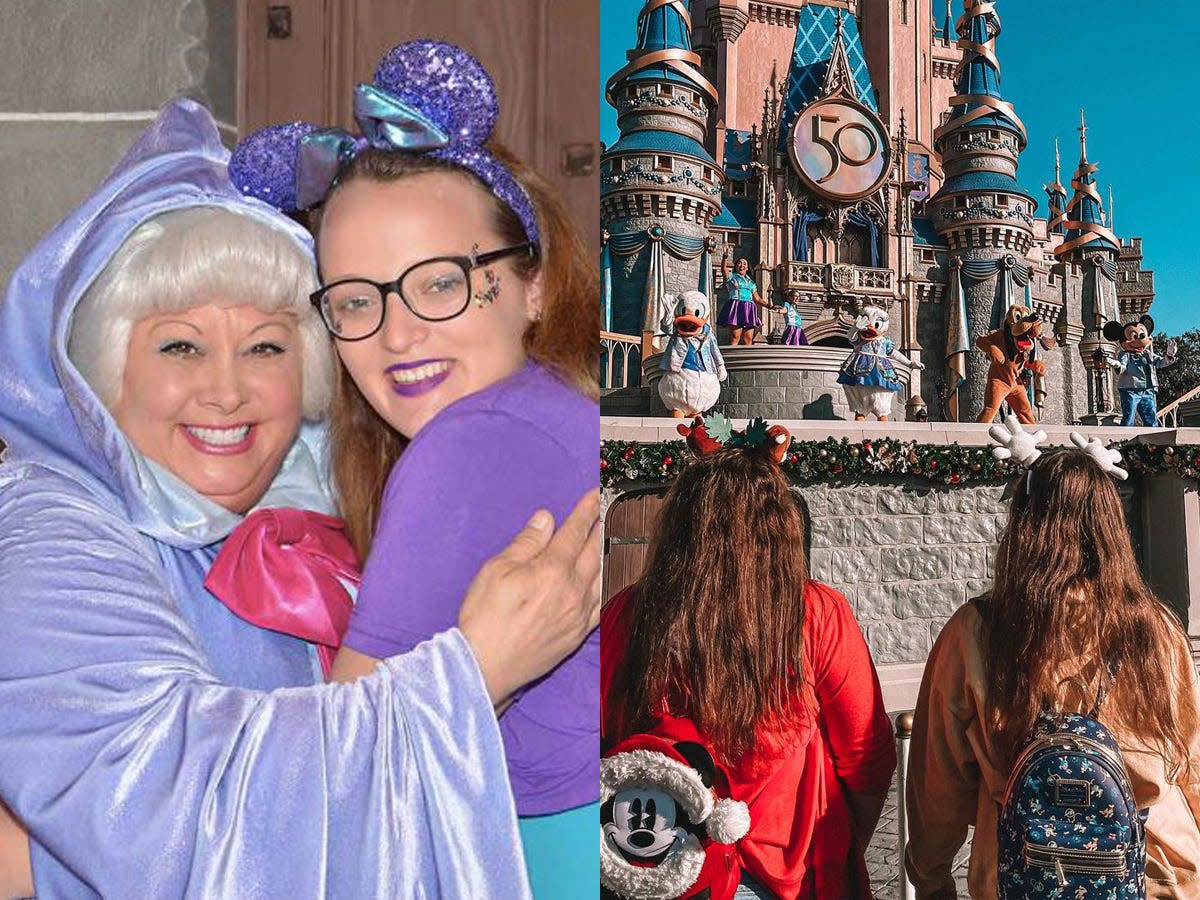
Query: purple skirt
[794,336]
[740,314]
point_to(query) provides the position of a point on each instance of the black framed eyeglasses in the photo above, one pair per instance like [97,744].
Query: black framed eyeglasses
[435,290]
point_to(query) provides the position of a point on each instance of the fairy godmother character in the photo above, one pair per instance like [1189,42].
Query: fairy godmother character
[158,358]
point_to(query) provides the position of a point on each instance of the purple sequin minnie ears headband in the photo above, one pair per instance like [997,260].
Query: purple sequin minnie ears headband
[428,97]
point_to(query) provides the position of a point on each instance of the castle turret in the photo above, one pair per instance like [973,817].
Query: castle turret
[1092,246]
[659,187]
[982,213]
[1056,196]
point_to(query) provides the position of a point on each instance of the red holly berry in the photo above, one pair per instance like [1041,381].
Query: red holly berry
[955,478]
[867,445]
[667,460]
[628,453]
[603,465]
[933,464]
[837,469]
[793,459]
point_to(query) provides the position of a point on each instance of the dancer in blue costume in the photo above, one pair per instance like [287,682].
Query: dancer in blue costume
[740,312]
[793,330]
[155,744]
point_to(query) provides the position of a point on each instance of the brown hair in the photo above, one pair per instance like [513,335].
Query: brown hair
[1067,588]
[365,447]
[718,617]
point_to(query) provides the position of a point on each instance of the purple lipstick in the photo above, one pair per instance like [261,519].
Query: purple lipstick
[412,379]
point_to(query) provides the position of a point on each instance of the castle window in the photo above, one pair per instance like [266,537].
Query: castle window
[665,90]
[733,239]
[708,174]
[1001,200]
[737,189]
[618,166]
[903,12]
[960,202]
[631,93]
[662,163]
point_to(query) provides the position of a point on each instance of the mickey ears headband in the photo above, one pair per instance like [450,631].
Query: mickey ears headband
[428,97]
[1021,447]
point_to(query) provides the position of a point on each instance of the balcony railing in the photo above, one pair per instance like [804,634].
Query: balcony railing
[1168,416]
[620,360]
[841,277]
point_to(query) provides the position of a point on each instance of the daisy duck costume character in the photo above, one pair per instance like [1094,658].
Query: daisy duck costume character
[1137,368]
[867,374]
[156,741]
[691,363]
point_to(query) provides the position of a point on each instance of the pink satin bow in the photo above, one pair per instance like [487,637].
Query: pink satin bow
[280,569]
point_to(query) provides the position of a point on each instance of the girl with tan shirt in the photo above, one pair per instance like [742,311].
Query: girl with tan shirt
[1067,595]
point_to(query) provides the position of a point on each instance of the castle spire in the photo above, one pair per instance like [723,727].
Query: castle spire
[1086,231]
[664,50]
[1056,195]
[978,100]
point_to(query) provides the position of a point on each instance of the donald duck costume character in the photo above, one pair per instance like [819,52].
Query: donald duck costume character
[691,364]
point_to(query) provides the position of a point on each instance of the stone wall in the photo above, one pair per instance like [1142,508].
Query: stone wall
[906,557]
[81,79]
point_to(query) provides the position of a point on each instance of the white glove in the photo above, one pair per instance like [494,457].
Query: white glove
[918,364]
[1015,442]
[1172,348]
[1107,459]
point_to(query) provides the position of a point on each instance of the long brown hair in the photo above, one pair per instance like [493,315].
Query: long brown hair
[365,447]
[718,617]
[1068,589]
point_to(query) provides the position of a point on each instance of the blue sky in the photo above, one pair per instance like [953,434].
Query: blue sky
[1134,69]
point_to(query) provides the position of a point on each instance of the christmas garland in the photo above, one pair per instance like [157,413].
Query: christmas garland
[834,459]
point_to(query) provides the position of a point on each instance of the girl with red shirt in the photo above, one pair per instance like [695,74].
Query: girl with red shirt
[727,642]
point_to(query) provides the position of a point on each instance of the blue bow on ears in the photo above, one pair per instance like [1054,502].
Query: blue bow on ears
[386,122]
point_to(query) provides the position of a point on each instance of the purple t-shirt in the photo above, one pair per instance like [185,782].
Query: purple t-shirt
[462,489]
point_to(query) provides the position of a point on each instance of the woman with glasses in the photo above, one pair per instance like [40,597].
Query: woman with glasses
[462,305]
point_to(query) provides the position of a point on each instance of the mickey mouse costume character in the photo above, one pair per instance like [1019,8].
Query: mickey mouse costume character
[1012,349]
[691,364]
[659,818]
[1137,368]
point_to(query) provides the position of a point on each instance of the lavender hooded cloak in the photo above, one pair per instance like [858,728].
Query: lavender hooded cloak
[154,744]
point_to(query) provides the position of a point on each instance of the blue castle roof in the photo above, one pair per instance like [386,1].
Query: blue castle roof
[924,234]
[736,212]
[661,141]
[982,181]
[816,33]
[981,76]
[663,27]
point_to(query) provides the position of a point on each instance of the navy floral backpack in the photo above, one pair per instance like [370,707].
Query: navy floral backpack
[1070,828]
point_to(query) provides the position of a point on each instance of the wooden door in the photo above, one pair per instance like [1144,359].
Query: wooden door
[543,55]
[627,530]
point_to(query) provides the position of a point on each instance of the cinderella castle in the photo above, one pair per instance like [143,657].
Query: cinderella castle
[854,152]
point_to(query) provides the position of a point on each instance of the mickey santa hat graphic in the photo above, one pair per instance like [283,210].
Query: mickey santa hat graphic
[664,832]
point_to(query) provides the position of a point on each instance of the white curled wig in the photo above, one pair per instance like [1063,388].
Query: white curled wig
[191,257]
